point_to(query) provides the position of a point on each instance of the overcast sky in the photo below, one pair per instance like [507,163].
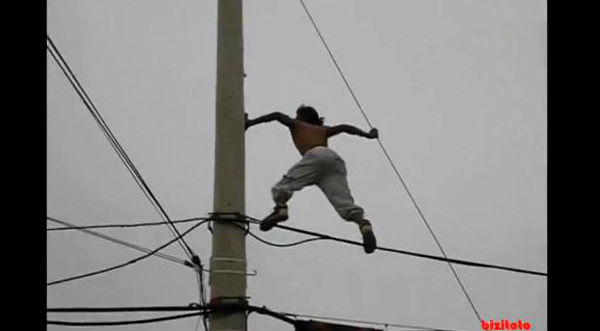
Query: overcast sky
[456,88]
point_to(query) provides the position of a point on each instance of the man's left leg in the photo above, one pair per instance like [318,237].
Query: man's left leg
[335,187]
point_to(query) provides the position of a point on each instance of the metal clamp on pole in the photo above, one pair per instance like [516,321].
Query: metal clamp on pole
[230,217]
[228,265]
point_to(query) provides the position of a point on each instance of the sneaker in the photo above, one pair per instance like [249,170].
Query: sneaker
[279,214]
[369,241]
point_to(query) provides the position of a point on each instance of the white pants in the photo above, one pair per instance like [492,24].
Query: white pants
[323,167]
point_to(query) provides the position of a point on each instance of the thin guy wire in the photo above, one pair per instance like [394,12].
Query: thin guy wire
[114,142]
[390,161]
[105,270]
[129,225]
[121,242]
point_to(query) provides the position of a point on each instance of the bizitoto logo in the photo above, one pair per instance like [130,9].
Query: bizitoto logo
[505,325]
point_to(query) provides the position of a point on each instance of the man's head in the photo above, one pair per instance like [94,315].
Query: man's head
[308,114]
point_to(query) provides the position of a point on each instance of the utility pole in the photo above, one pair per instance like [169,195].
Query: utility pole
[228,261]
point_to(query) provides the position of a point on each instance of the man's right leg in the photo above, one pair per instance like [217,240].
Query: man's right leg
[300,175]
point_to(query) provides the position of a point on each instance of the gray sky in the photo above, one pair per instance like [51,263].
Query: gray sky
[456,88]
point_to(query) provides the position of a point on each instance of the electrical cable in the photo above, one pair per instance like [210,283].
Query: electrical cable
[283,245]
[121,242]
[105,270]
[388,324]
[129,322]
[270,243]
[113,141]
[253,220]
[285,316]
[126,160]
[127,225]
[321,236]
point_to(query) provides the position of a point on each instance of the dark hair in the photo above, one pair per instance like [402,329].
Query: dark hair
[309,114]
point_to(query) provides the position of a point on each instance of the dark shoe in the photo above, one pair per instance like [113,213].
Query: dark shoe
[279,214]
[369,241]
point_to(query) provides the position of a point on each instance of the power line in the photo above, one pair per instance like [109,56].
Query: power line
[105,270]
[125,159]
[127,225]
[280,245]
[200,280]
[124,309]
[387,324]
[391,162]
[400,251]
[113,141]
[121,242]
[317,236]
[128,322]
[285,316]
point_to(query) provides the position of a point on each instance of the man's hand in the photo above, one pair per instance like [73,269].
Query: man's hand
[373,134]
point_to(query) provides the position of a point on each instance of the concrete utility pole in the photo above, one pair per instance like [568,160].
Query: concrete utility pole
[228,261]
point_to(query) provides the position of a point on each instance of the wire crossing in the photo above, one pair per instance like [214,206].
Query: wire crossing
[125,225]
[120,242]
[124,264]
[316,236]
[85,229]
[130,167]
[56,54]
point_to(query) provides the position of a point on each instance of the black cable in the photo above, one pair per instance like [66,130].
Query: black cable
[283,245]
[204,318]
[128,225]
[405,252]
[190,307]
[270,243]
[121,242]
[129,322]
[203,309]
[285,316]
[321,236]
[113,141]
[338,319]
[200,280]
[198,269]
[64,280]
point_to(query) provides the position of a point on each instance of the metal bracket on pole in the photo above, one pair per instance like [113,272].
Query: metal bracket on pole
[227,271]
[227,217]
[227,265]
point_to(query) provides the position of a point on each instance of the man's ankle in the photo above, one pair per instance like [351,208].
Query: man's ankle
[364,225]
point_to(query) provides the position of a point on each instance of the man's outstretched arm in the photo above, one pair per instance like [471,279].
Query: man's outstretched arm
[275,116]
[349,129]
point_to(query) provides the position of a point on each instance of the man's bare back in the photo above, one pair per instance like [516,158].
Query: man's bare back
[306,136]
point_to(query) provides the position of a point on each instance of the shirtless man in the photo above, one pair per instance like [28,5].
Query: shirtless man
[319,166]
